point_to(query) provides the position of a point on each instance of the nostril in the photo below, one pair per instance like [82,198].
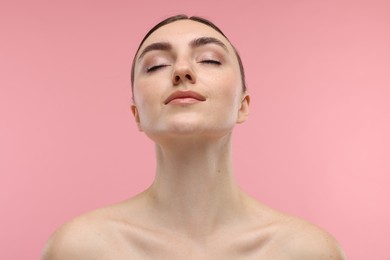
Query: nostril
[177,78]
[188,76]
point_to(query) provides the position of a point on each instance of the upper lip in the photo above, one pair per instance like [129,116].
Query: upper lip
[184,94]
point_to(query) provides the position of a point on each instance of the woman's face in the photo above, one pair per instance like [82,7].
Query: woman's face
[187,82]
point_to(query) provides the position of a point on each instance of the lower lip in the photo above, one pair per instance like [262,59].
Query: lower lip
[184,101]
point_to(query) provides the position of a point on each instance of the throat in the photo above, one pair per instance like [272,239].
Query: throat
[194,188]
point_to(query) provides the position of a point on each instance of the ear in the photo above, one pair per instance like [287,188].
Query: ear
[243,112]
[136,116]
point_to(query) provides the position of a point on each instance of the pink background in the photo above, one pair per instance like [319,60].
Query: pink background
[316,145]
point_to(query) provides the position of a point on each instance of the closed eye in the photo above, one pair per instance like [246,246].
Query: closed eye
[156,67]
[211,62]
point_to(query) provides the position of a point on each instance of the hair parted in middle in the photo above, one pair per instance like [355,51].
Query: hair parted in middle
[192,18]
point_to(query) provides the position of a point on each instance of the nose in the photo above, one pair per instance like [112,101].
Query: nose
[182,73]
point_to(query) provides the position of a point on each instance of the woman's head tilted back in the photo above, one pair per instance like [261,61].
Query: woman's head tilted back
[187,80]
[192,18]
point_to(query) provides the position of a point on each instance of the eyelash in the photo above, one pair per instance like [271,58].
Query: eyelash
[157,67]
[211,62]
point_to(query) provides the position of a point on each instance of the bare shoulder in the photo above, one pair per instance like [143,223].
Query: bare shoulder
[294,238]
[304,240]
[84,237]
[111,232]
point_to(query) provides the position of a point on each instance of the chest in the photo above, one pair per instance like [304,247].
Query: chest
[170,247]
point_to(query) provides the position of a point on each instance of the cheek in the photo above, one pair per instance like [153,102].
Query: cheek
[144,99]
[226,100]
[146,90]
[149,98]
[230,85]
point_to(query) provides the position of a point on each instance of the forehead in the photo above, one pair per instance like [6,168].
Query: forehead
[182,32]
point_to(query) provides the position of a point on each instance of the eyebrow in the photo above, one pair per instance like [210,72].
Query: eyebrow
[198,42]
[157,46]
[195,43]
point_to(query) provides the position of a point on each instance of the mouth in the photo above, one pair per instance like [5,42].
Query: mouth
[184,97]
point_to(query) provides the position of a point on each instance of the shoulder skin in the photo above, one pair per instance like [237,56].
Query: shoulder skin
[307,242]
[80,238]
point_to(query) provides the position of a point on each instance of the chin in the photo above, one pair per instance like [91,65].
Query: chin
[185,124]
[188,132]
[189,126]
[186,129]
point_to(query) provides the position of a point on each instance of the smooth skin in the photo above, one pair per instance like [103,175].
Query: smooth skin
[194,209]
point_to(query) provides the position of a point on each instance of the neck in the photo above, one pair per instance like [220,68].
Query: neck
[194,188]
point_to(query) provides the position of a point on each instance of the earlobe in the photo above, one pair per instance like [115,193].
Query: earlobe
[243,112]
[136,116]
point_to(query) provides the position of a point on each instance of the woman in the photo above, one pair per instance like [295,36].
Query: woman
[188,94]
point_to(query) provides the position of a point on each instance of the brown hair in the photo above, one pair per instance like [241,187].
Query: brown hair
[193,18]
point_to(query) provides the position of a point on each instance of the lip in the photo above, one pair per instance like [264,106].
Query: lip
[184,95]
